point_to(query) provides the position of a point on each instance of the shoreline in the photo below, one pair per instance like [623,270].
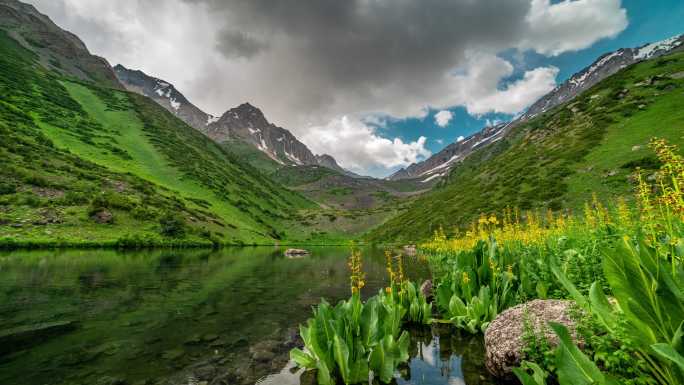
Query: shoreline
[9,244]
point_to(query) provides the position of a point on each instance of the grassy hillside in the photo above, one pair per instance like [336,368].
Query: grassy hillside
[247,153]
[589,145]
[83,164]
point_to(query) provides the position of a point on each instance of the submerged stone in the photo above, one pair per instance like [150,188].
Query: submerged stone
[23,337]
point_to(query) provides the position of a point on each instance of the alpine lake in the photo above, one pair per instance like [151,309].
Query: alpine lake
[192,317]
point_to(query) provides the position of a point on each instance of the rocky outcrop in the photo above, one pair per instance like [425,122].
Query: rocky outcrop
[504,342]
[165,94]
[58,50]
[103,216]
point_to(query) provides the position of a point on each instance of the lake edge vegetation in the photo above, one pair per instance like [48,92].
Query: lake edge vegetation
[621,265]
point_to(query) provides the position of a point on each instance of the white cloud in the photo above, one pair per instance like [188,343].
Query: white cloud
[460,138]
[442,118]
[298,75]
[439,141]
[477,86]
[571,25]
[357,146]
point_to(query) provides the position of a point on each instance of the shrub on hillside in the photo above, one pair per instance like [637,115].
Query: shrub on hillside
[172,225]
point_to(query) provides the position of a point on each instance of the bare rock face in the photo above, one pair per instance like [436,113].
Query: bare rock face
[504,337]
[103,216]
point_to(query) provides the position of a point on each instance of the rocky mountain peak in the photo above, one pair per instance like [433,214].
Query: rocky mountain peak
[247,114]
[58,50]
[245,123]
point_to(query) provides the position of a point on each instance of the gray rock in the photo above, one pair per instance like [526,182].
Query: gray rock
[504,342]
[103,216]
[296,252]
[426,288]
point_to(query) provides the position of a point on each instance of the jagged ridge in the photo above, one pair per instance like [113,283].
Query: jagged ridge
[245,123]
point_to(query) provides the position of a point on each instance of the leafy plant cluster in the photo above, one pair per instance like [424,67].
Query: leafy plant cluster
[622,268]
[355,340]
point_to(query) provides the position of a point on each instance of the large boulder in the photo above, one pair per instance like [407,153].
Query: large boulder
[504,342]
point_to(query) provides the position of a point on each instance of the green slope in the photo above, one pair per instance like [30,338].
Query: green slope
[589,145]
[70,150]
[249,154]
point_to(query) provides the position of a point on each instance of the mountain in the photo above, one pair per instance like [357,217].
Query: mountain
[56,49]
[165,94]
[242,124]
[84,162]
[603,67]
[441,163]
[558,159]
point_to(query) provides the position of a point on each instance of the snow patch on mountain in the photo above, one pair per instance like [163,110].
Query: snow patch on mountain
[433,177]
[649,50]
[577,81]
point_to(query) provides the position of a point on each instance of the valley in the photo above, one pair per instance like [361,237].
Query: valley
[145,241]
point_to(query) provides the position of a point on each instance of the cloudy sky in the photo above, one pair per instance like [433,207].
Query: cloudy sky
[378,84]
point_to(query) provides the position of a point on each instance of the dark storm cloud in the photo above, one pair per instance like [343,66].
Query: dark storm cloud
[236,44]
[365,42]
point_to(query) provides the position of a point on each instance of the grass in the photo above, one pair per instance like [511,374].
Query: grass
[251,155]
[634,256]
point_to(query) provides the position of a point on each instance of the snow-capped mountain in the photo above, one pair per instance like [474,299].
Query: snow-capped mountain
[165,94]
[248,123]
[245,122]
[605,66]
[439,164]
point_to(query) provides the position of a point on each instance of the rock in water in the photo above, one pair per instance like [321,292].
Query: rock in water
[410,250]
[24,337]
[426,288]
[296,252]
[504,337]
